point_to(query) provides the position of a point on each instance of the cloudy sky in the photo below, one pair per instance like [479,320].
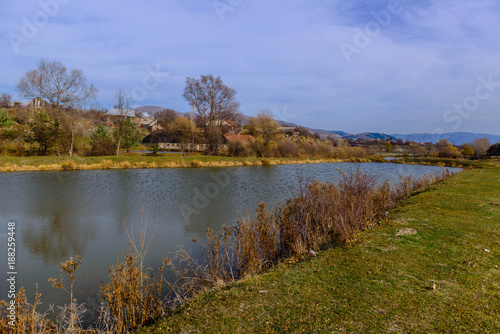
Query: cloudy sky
[382,66]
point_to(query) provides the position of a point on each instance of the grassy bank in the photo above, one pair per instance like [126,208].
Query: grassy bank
[434,267]
[462,163]
[54,163]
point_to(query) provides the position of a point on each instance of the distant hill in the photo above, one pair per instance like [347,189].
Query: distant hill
[340,133]
[364,135]
[149,109]
[458,138]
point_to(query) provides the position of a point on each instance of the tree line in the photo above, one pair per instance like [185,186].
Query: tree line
[71,122]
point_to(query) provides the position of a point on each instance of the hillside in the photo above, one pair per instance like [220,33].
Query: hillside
[368,136]
[149,109]
[458,138]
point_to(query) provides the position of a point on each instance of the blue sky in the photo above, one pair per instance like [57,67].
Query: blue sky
[384,66]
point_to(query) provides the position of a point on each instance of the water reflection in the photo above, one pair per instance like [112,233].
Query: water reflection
[56,240]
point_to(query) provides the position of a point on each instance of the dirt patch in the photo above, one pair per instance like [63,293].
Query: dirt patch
[406,231]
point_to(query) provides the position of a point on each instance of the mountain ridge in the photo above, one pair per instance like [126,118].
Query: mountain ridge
[457,138]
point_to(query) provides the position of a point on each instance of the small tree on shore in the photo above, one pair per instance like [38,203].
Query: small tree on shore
[43,129]
[123,103]
[480,146]
[265,130]
[101,141]
[128,134]
[467,150]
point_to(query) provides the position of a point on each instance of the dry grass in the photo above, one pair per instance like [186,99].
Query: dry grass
[27,318]
[51,163]
[131,296]
[319,215]
[68,165]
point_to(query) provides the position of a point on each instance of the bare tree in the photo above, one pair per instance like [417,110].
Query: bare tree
[5,100]
[166,116]
[480,146]
[53,82]
[265,130]
[63,89]
[123,103]
[214,103]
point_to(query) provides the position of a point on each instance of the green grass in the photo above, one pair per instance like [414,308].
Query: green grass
[481,163]
[379,283]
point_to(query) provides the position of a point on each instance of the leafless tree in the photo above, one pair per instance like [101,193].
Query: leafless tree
[60,87]
[214,103]
[166,116]
[64,90]
[480,146]
[5,100]
[123,103]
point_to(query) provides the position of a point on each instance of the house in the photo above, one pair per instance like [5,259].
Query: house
[141,119]
[227,126]
[38,103]
[167,142]
[290,130]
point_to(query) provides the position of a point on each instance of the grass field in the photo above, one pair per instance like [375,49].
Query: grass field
[433,268]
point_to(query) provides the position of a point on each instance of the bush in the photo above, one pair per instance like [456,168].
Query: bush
[101,142]
[287,149]
[5,120]
[68,165]
[196,163]
[494,150]
[103,149]
[238,148]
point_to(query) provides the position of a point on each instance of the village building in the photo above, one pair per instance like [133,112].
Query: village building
[290,130]
[38,103]
[167,142]
[141,119]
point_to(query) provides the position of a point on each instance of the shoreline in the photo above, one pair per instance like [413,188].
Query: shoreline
[52,163]
[151,162]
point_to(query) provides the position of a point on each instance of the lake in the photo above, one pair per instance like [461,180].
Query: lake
[63,214]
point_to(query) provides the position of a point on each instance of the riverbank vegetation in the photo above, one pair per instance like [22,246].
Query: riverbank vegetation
[319,216]
[54,163]
[433,267]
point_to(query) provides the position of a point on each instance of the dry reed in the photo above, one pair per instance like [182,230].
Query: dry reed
[318,215]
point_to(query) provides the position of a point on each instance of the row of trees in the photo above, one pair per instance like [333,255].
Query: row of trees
[68,92]
[445,149]
[214,112]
